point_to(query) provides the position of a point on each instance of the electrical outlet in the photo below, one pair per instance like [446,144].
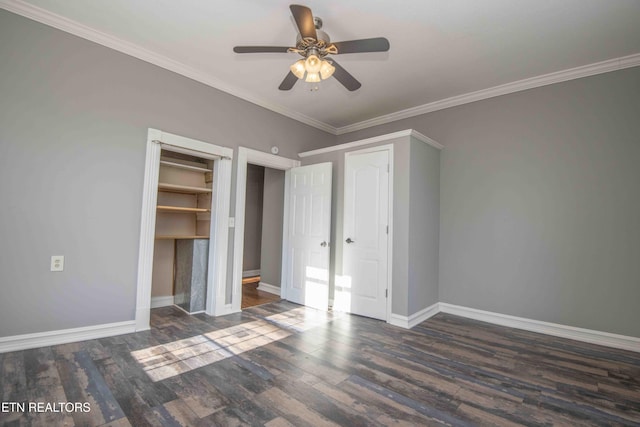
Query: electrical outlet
[57,262]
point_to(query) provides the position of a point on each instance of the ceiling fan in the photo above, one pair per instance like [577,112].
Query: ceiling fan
[314,46]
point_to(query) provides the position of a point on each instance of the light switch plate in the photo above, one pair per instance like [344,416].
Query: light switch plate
[232,222]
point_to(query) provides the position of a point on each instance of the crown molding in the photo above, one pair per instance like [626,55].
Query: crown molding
[73,27]
[423,138]
[367,141]
[517,86]
[70,26]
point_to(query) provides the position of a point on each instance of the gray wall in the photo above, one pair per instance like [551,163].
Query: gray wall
[73,127]
[272,215]
[401,206]
[540,206]
[253,218]
[540,210]
[424,225]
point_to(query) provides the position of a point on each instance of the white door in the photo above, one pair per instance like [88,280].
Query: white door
[362,288]
[307,271]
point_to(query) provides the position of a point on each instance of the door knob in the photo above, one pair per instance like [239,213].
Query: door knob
[349,240]
[323,244]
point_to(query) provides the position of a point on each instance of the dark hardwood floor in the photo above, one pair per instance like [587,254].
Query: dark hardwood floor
[280,364]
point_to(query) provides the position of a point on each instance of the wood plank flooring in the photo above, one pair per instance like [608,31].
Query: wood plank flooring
[252,296]
[280,364]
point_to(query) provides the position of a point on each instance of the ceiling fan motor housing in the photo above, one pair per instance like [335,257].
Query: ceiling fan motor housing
[320,44]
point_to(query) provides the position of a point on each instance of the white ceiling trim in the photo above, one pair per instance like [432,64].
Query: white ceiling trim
[380,138]
[73,27]
[517,86]
[423,138]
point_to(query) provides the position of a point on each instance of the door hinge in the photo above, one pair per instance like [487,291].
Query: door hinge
[386,293]
[387,229]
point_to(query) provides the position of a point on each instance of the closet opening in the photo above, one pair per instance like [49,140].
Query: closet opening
[184,230]
[183,227]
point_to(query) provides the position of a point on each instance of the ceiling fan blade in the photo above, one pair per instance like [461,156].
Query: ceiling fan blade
[377,44]
[345,78]
[304,21]
[260,49]
[288,81]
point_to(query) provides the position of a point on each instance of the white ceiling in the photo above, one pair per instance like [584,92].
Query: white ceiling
[440,49]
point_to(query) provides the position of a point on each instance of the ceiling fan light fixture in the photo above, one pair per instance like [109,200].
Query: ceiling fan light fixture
[313,64]
[326,70]
[312,78]
[298,69]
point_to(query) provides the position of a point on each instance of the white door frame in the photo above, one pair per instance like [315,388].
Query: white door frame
[218,245]
[255,157]
[389,149]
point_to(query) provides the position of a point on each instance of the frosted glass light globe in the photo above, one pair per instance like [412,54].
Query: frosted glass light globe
[312,64]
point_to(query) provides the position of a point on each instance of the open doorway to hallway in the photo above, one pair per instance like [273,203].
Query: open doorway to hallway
[263,222]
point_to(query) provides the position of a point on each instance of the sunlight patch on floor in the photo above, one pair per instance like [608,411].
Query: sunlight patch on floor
[167,360]
[303,318]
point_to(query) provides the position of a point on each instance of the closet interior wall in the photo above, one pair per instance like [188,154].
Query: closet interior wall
[183,213]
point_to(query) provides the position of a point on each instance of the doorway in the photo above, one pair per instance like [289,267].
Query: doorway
[248,158]
[306,228]
[263,224]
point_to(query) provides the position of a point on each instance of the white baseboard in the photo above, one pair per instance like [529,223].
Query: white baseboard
[44,339]
[269,288]
[579,334]
[250,273]
[409,322]
[157,302]
[188,312]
